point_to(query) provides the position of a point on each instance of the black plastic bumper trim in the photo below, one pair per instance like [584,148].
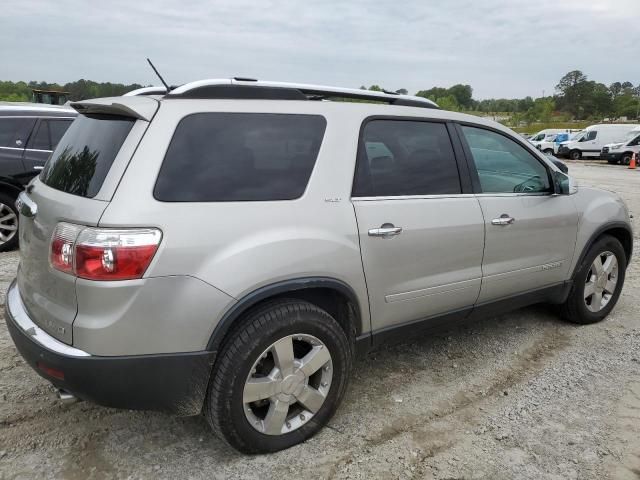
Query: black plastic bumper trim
[174,383]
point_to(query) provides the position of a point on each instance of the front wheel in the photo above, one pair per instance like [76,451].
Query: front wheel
[597,283]
[279,378]
[626,159]
[548,151]
[575,155]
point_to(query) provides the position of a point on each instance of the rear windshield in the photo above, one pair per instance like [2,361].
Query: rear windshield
[82,159]
[225,157]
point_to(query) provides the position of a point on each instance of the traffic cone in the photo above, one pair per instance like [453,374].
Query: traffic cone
[632,163]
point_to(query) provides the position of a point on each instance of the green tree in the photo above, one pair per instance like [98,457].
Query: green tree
[615,88]
[463,95]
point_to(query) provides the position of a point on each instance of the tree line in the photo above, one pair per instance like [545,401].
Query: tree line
[78,90]
[575,98]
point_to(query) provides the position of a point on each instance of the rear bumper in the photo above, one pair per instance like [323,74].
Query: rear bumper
[174,383]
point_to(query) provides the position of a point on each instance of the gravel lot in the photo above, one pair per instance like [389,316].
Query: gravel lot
[522,395]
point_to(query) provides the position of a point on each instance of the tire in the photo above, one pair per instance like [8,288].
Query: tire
[581,309]
[575,155]
[548,151]
[626,159]
[250,350]
[8,226]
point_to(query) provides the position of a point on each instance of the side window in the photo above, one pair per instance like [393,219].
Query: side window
[227,157]
[57,129]
[591,135]
[41,139]
[634,142]
[400,157]
[15,131]
[503,165]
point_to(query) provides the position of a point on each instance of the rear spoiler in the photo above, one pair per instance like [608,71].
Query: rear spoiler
[143,108]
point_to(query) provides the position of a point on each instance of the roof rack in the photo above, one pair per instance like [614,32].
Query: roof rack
[146,91]
[256,89]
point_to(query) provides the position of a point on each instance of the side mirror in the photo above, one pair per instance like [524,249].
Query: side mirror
[564,184]
[560,164]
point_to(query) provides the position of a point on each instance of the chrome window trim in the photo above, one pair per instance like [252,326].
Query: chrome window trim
[29,149]
[516,194]
[452,195]
[413,197]
[48,117]
[38,150]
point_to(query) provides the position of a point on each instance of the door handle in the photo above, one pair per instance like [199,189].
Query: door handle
[386,231]
[503,220]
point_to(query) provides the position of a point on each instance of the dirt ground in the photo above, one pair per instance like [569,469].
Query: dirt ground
[521,395]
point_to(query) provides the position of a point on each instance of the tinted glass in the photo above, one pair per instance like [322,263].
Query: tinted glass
[223,157]
[503,165]
[81,161]
[57,129]
[591,135]
[13,130]
[399,157]
[40,140]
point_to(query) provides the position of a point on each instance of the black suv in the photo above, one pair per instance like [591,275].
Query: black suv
[28,135]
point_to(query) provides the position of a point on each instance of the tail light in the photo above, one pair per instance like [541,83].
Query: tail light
[103,253]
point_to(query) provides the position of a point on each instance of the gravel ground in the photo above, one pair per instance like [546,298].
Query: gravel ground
[521,395]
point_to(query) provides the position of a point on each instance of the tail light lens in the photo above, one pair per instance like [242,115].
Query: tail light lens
[103,253]
[64,238]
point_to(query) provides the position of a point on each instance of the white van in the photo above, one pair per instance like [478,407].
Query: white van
[542,134]
[622,152]
[549,145]
[590,142]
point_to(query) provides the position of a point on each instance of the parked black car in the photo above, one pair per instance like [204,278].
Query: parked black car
[28,135]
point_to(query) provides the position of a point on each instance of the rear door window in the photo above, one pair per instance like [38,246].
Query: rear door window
[81,161]
[15,131]
[226,157]
[41,139]
[402,157]
[57,129]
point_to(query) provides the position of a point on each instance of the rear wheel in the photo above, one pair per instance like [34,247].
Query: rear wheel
[575,155]
[8,223]
[279,377]
[597,283]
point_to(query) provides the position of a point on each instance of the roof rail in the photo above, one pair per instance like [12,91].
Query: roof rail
[257,89]
[146,91]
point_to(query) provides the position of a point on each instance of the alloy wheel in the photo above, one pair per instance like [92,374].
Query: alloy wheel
[601,281]
[288,384]
[8,223]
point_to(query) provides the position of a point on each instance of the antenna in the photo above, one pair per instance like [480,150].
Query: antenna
[159,76]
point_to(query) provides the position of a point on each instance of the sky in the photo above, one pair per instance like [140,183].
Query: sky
[503,49]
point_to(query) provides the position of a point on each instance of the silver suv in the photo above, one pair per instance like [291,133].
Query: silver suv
[230,246]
